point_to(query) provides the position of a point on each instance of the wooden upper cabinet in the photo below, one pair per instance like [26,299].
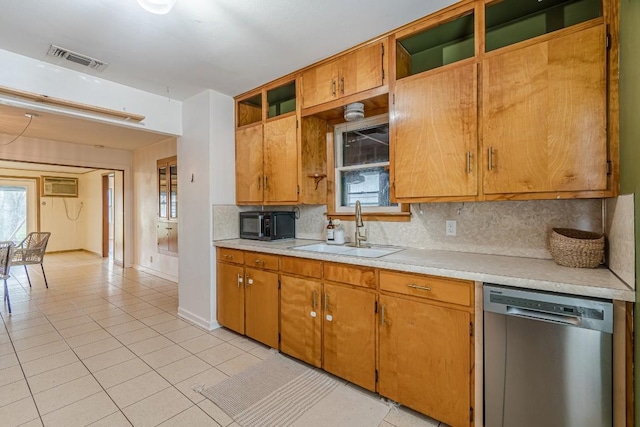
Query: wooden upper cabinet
[281,160]
[544,116]
[249,165]
[249,111]
[348,74]
[434,130]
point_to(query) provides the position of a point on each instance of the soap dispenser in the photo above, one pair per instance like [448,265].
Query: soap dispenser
[330,232]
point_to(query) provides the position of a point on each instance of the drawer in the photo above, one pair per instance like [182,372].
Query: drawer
[231,255]
[301,267]
[351,274]
[260,260]
[435,288]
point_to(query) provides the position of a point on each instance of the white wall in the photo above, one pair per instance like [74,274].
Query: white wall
[145,177]
[162,114]
[206,152]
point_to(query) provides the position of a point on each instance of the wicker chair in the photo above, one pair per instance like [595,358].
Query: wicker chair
[31,251]
[6,252]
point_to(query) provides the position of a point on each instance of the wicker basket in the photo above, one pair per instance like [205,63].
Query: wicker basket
[576,248]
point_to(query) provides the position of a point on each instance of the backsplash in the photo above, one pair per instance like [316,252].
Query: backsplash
[516,228]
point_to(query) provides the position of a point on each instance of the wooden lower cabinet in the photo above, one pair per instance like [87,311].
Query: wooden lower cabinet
[349,334]
[425,358]
[301,319]
[261,306]
[230,296]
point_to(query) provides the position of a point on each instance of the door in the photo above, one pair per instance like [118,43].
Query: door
[349,334]
[230,296]
[19,208]
[281,160]
[249,186]
[261,306]
[361,70]
[425,356]
[435,134]
[301,319]
[544,116]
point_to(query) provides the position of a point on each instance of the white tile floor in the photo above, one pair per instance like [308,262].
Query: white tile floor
[103,346]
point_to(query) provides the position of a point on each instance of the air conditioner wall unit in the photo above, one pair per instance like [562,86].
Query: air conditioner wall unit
[54,186]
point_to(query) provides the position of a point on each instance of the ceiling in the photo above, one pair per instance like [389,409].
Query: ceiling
[229,46]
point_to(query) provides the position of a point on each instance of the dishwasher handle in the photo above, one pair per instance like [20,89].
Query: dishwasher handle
[545,317]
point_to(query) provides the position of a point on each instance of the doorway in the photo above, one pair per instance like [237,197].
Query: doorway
[18,208]
[112,216]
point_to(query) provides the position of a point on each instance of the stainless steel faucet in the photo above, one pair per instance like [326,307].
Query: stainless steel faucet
[359,224]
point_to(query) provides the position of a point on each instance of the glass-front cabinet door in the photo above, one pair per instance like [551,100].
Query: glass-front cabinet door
[168,205]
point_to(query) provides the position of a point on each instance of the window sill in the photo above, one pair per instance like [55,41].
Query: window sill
[372,216]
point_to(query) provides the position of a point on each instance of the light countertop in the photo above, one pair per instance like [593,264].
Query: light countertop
[529,273]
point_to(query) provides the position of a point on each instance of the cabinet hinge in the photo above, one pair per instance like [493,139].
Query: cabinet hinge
[471,328]
[383,75]
[375,307]
[279,338]
[471,414]
[297,124]
[608,41]
[609,167]
[383,49]
[394,99]
[298,189]
[376,375]
[279,283]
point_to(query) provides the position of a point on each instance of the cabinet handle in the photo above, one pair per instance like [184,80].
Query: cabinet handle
[260,261]
[333,88]
[382,315]
[469,155]
[490,158]
[314,299]
[342,85]
[227,256]
[266,182]
[326,301]
[239,279]
[259,179]
[422,288]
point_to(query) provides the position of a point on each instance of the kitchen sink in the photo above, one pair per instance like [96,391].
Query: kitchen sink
[366,252]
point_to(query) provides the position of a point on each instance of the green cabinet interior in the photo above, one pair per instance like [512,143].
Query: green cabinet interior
[437,46]
[282,99]
[513,21]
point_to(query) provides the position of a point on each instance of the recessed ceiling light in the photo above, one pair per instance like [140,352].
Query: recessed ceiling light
[159,7]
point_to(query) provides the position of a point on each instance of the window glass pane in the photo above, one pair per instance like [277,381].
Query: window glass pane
[365,146]
[370,186]
[13,213]
[173,170]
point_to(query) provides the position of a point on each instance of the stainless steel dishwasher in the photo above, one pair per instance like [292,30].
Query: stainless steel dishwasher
[547,359]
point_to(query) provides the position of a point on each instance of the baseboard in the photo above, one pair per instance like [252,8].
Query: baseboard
[160,274]
[197,320]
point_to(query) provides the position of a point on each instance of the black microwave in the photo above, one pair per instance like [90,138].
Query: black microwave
[267,225]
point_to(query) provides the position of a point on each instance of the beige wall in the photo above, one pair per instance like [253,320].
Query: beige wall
[145,209]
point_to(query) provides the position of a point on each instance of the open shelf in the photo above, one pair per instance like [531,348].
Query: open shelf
[249,110]
[513,21]
[282,100]
[437,46]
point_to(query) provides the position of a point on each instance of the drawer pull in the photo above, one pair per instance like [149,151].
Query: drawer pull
[422,288]
[259,261]
[227,256]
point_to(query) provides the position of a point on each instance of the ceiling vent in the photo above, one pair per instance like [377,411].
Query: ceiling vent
[69,55]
